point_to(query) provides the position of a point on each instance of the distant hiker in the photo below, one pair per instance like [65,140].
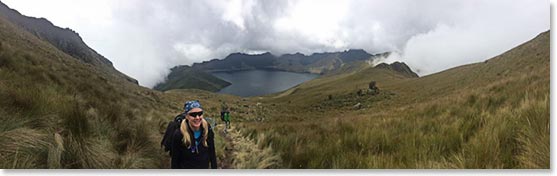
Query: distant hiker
[225,116]
[222,114]
[227,119]
[193,145]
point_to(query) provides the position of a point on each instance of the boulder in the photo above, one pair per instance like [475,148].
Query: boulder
[372,85]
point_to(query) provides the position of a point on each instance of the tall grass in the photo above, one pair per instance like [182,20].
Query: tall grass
[251,154]
[504,125]
[221,146]
[23,148]
[59,113]
[55,152]
[534,137]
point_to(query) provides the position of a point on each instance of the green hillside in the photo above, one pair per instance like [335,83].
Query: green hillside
[65,40]
[185,77]
[493,114]
[58,112]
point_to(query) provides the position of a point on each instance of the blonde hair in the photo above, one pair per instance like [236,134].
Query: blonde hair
[187,136]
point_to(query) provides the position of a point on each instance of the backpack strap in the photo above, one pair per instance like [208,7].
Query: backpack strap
[179,118]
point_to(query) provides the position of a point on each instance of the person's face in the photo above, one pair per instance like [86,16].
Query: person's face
[195,117]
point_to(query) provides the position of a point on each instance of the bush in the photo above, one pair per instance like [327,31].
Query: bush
[23,148]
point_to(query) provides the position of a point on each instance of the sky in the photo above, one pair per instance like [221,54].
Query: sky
[144,39]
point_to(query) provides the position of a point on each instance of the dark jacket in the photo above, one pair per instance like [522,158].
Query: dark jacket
[184,158]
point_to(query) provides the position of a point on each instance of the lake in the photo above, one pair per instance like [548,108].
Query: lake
[261,82]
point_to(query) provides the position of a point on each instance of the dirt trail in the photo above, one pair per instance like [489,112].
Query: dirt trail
[226,162]
[242,152]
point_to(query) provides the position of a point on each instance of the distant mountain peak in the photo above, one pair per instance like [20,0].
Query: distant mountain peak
[400,67]
[315,63]
[248,54]
[355,50]
[297,54]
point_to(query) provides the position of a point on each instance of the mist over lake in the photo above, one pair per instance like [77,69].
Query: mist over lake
[261,82]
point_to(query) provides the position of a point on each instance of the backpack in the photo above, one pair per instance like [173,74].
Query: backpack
[173,125]
[227,116]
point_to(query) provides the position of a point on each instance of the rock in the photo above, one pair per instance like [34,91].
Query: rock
[357,106]
[372,88]
[372,85]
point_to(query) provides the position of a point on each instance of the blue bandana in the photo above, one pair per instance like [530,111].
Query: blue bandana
[192,104]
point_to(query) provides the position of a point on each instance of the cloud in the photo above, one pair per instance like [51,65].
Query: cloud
[146,38]
[492,28]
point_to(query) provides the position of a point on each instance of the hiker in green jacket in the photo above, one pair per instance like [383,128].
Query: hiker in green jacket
[227,119]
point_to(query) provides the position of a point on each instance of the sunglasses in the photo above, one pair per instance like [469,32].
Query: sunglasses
[195,114]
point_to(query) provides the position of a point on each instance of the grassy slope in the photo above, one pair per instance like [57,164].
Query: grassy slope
[60,113]
[185,77]
[493,114]
[65,40]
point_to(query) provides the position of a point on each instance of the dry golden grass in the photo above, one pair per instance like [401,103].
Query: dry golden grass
[493,114]
[60,113]
[22,148]
[250,154]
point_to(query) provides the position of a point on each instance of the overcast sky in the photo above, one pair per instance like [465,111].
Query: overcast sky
[145,38]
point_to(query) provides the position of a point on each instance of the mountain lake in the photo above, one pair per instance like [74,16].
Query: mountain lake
[261,82]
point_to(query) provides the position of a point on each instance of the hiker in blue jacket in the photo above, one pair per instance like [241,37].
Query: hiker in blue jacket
[193,145]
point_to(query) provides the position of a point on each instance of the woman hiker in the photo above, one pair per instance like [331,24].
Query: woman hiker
[193,145]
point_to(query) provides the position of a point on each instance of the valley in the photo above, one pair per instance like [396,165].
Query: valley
[60,111]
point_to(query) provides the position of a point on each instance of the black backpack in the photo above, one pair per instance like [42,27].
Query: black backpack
[173,125]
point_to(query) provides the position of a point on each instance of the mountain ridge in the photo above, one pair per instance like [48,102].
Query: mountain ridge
[400,67]
[186,77]
[65,39]
[316,63]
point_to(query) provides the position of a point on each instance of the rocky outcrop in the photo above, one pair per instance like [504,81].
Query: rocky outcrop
[399,67]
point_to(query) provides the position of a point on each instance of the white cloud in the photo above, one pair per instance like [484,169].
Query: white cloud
[193,51]
[146,38]
[392,57]
[317,22]
[492,28]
